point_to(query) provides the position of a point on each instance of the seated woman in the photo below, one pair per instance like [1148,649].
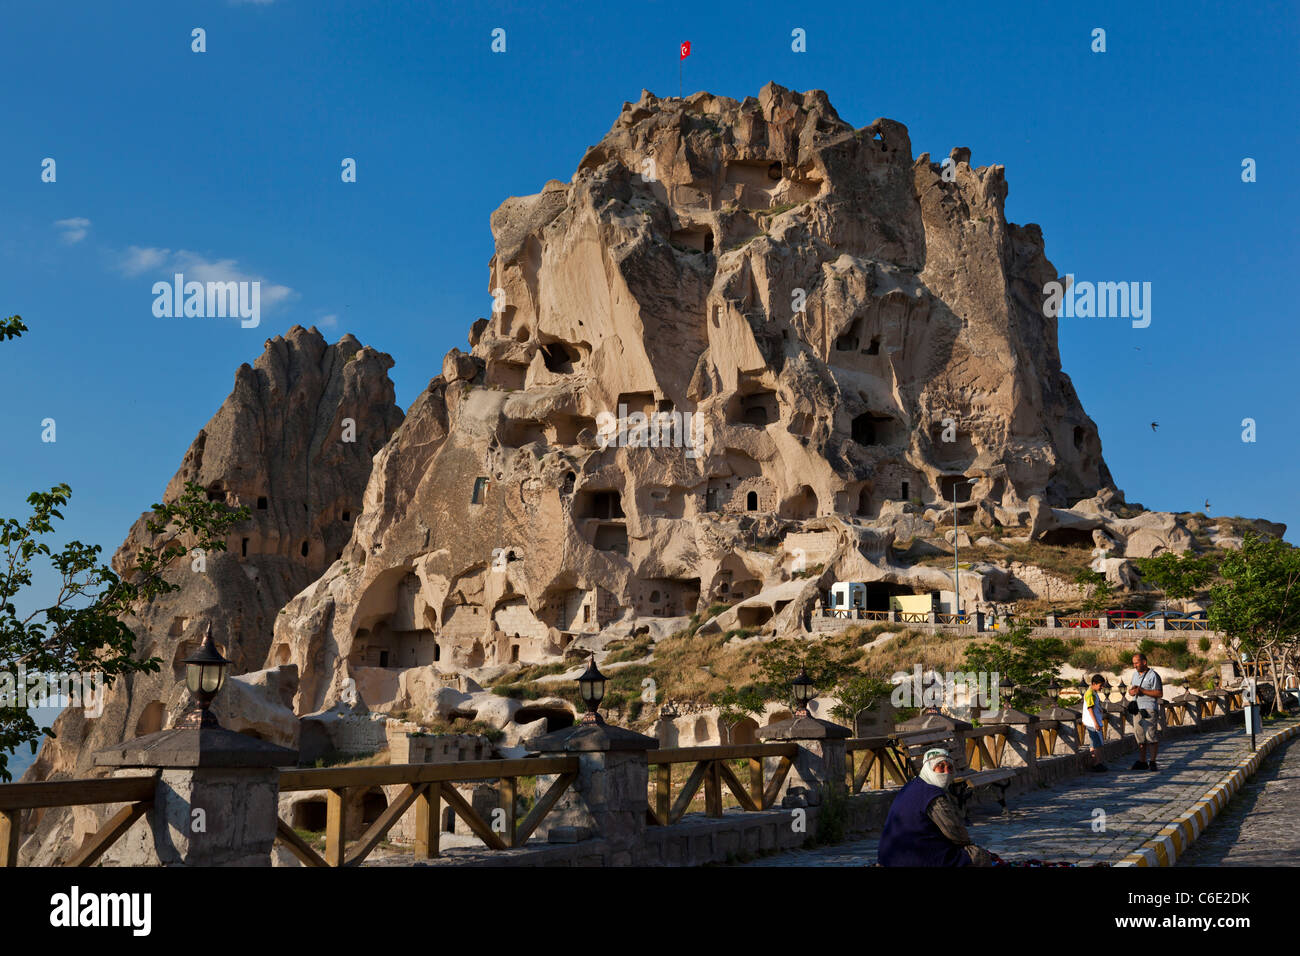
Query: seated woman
[924,826]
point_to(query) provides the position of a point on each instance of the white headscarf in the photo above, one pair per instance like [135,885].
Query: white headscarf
[932,757]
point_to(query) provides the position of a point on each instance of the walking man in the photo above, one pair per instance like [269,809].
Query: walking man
[1145,690]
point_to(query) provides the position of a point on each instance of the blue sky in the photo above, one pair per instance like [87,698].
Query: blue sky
[229,160]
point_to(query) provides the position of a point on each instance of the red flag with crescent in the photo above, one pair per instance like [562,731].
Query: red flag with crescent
[686,50]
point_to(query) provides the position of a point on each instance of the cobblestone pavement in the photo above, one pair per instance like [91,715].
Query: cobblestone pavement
[1261,826]
[1099,817]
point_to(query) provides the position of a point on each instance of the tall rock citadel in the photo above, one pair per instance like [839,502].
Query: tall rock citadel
[856,339]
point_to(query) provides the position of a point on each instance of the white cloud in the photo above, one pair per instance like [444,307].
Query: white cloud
[74,230]
[328,321]
[197,268]
[141,259]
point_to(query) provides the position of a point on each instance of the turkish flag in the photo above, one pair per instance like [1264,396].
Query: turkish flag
[686,50]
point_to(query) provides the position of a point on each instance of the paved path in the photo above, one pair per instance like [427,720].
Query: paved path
[1261,827]
[1096,817]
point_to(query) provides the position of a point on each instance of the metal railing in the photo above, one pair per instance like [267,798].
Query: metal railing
[855,613]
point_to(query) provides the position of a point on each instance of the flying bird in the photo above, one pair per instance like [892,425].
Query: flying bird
[1207,504]
[1155,425]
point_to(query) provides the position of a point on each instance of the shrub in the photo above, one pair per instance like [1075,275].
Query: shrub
[1204,645]
[1171,653]
[1085,658]
[833,813]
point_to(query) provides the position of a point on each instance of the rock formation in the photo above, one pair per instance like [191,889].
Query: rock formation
[740,321]
[747,351]
[293,442]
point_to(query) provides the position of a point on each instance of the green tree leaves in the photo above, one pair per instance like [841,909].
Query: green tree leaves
[1258,601]
[1030,663]
[1099,590]
[11,327]
[1178,576]
[83,630]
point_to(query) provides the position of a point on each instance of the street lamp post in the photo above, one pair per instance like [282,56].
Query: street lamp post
[803,693]
[1005,687]
[205,674]
[591,688]
[956,566]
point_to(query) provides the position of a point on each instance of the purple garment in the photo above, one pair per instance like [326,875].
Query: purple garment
[911,838]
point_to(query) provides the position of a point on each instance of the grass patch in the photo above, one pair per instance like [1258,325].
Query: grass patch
[743,243]
[531,672]
[438,728]
[940,651]
[333,758]
[773,211]
[634,651]
[518,691]
[693,667]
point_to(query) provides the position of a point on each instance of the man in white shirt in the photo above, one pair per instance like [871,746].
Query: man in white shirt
[1145,689]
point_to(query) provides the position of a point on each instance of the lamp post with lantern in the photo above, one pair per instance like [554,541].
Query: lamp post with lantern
[205,675]
[804,692]
[591,688]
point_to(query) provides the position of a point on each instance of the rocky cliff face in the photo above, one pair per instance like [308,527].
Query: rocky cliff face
[294,443]
[854,338]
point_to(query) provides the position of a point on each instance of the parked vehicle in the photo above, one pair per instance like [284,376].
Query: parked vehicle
[1174,620]
[1122,618]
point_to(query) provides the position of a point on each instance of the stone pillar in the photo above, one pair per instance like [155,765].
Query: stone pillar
[893,615]
[819,755]
[216,801]
[1117,718]
[1022,731]
[1103,621]
[1067,734]
[608,800]
[1195,708]
[1051,619]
